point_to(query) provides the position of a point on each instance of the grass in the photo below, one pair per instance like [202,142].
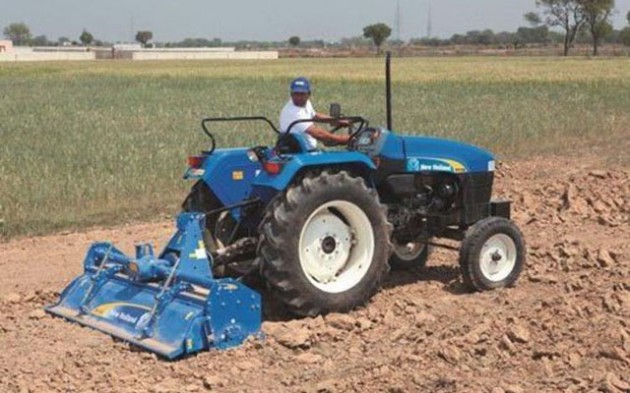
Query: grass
[106,142]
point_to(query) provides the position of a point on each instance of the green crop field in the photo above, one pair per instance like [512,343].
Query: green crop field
[106,142]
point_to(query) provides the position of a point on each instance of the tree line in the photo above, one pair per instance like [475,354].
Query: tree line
[578,21]
[563,22]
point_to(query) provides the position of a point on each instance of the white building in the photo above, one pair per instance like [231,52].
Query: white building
[6,46]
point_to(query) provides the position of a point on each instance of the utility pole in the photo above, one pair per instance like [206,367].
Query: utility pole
[398,21]
[429,22]
[133,37]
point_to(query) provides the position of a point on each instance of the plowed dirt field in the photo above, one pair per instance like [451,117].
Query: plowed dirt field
[564,328]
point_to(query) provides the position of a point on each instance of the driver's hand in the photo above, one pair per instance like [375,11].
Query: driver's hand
[340,123]
[343,123]
[344,139]
[338,141]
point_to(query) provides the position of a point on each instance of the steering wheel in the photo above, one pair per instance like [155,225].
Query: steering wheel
[375,134]
[337,128]
[351,131]
[334,130]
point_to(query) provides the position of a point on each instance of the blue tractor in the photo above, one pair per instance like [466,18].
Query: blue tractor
[322,228]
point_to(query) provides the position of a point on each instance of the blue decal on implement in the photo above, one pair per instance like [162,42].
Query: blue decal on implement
[125,313]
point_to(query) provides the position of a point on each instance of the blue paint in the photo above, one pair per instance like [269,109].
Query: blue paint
[127,298]
[229,174]
[294,163]
[434,150]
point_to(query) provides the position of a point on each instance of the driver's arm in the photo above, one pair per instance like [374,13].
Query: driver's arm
[323,117]
[325,136]
[331,120]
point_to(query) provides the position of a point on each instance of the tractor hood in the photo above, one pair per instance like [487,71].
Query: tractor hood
[433,154]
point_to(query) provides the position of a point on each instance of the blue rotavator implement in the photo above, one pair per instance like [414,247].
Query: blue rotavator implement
[170,304]
[321,227]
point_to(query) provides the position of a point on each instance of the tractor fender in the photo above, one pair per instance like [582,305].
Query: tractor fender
[298,163]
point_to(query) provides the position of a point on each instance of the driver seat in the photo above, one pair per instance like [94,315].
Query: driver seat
[291,144]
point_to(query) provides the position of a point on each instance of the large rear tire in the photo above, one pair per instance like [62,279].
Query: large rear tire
[325,245]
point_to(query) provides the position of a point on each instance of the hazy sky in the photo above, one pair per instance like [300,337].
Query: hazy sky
[173,20]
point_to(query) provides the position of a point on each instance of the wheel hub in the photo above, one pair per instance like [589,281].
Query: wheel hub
[408,251]
[329,244]
[498,257]
[336,246]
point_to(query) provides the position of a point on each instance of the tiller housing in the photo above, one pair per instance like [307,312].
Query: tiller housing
[170,304]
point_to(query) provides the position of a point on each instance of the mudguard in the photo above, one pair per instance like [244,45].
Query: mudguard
[293,164]
[228,173]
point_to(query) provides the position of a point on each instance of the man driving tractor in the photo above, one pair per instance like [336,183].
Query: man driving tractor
[299,107]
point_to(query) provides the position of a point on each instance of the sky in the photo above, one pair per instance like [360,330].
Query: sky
[264,20]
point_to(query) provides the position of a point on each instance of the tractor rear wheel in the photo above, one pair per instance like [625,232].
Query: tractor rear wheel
[492,254]
[326,244]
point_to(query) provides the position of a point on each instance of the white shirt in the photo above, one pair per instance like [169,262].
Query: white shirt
[291,113]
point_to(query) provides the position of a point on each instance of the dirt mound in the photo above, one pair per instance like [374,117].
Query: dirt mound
[564,328]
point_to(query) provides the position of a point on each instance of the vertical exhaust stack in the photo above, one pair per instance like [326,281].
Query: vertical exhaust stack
[388,89]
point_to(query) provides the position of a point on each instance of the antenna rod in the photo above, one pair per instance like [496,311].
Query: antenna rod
[388,89]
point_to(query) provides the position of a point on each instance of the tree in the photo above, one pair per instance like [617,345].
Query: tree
[597,14]
[86,37]
[63,41]
[533,19]
[294,41]
[378,32]
[624,34]
[354,42]
[144,37]
[567,14]
[19,33]
[40,40]
[533,35]
[458,39]
[198,43]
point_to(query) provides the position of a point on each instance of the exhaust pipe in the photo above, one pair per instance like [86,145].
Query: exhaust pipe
[388,89]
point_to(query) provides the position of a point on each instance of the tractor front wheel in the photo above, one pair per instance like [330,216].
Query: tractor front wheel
[325,245]
[492,254]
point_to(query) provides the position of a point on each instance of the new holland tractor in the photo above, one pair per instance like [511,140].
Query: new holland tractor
[321,227]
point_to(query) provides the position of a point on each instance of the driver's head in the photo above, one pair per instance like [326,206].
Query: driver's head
[300,91]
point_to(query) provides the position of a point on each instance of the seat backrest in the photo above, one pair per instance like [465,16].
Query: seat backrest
[292,144]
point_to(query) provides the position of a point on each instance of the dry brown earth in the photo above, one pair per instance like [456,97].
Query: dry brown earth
[564,328]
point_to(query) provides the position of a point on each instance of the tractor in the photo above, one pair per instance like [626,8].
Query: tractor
[320,227]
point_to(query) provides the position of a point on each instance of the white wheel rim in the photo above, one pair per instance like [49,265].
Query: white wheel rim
[335,255]
[497,257]
[408,251]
